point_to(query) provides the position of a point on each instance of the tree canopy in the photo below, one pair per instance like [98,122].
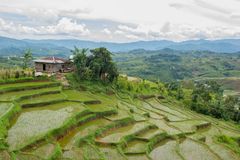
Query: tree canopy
[27,55]
[97,65]
[207,98]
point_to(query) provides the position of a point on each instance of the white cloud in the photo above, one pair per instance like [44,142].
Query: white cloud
[133,20]
[10,27]
[106,31]
[64,26]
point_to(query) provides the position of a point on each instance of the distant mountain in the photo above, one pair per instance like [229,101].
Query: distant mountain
[223,46]
[114,47]
[9,46]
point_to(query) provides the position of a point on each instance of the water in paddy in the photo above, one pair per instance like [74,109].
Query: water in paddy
[189,147]
[111,153]
[99,107]
[166,150]
[82,131]
[56,106]
[137,157]
[83,152]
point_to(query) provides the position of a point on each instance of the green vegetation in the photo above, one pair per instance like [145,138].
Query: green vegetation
[230,142]
[116,117]
[42,99]
[97,66]
[10,62]
[207,98]
[14,75]
[123,124]
[171,65]
[10,96]
[27,58]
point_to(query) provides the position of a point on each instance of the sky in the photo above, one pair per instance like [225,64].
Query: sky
[120,20]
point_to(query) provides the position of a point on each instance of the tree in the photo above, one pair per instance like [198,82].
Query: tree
[103,65]
[80,61]
[97,66]
[229,109]
[175,89]
[27,58]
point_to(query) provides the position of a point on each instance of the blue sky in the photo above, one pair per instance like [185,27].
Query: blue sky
[120,20]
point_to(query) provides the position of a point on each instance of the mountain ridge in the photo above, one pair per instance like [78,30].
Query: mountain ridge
[62,47]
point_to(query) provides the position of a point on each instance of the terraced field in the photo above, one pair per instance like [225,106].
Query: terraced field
[40,120]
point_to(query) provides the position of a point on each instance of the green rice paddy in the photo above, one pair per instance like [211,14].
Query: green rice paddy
[45,122]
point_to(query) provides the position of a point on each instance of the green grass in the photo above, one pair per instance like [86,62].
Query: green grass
[230,142]
[101,108]
[78,96]
[25,86]
[55,106]
[11,96]
[43,99]
[7,111]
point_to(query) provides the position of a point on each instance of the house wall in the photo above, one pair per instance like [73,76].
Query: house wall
[53,67]
[49,67]
[38,67]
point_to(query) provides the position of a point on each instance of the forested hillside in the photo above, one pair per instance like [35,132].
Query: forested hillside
[171,65]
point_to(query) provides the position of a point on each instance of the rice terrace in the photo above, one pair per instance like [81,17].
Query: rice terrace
[46,121]
[119,80]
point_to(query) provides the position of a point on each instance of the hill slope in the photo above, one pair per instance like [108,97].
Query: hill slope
[70,124]
[169,65]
